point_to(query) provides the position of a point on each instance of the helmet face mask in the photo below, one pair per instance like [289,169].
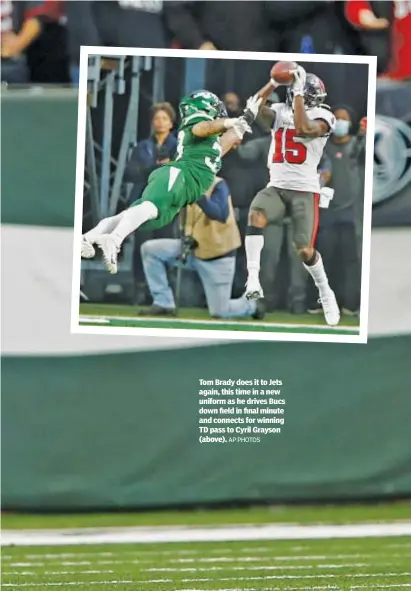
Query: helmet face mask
[314,92]
[202,101]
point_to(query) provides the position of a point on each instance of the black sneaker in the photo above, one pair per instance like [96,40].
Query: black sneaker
[155,310]
[259,310]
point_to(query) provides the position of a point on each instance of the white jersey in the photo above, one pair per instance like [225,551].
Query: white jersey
[292,160]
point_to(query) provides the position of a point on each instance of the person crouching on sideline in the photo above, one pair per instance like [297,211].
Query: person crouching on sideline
[211,231]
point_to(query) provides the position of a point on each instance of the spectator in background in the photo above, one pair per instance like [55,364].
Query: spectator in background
[148,155]
[218,25]
[116,23]
[371,21]
[22,23]
[235,108]
[222,25]
[395,24]
[232,104]
[340,228]
[213,234]
[154,151]
[256,25]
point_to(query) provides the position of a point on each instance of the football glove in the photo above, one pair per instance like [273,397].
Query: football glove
[241,126]
[251,109]
[299,81]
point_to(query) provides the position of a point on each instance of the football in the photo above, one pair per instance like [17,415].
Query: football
[281,72]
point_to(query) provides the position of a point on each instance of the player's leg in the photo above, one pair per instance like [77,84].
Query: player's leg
[217,278]
[155,256]
[156,202]
[105,226]
[304,209]
[110,243]
[266,207]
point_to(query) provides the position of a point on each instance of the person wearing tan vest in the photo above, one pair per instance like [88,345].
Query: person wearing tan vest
[211,240]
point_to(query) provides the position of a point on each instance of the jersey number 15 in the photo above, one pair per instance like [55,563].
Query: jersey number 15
[286,149]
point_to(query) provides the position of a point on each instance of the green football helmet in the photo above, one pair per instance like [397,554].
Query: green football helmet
[202,101]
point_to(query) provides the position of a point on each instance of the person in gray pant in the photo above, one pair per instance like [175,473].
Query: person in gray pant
[301,128]
[274,236]
[340,231]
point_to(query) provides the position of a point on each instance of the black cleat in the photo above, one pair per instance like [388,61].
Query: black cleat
[155,310]
[259,310]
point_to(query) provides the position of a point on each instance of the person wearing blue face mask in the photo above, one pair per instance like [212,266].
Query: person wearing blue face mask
[340,232]
[342,128]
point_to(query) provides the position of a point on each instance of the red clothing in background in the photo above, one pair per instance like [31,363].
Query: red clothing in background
[400,60]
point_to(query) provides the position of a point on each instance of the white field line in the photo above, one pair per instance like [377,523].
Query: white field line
[192,551]
[69,583]
[55,558]
[58,572]
[254,568]
[316,588]
[124,582]
[278,577]
[99,319]
[183,569]
[293,559]
[378,586]
[220,559]
[157,534]
[270,559]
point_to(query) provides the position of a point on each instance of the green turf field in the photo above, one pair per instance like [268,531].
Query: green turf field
[197,319]
[310,564]
[327,514]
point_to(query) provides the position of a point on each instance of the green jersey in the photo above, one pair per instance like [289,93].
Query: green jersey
[199,158]
[185,180]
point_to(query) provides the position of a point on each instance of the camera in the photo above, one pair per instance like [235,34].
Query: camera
[188,244]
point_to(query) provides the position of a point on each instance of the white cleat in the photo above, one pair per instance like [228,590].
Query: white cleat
[87,249]
[253,289]
[110,251]
[330,307]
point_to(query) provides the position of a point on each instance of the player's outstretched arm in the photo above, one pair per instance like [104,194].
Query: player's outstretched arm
[304,126]
[266,90]
[229,140]
[206,128]
[263,94]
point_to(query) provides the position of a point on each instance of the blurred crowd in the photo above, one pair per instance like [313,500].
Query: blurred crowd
[40,40]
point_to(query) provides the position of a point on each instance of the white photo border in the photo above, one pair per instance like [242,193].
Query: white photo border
[77,328]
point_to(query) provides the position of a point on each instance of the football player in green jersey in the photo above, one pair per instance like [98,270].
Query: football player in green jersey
[204,136]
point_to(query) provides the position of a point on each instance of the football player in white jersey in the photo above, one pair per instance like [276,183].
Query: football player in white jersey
[300,131]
